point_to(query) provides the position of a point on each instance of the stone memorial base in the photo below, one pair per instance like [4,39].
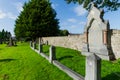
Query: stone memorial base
[105,57]
[103,53]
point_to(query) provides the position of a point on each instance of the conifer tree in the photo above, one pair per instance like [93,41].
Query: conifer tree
[38,19]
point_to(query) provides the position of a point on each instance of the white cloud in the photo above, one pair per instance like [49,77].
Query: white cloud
[19,6]
[73,26]
[54,6]
[72,20]
[2,14]
[9,15]
[76,21]
[82,23]
[79,10]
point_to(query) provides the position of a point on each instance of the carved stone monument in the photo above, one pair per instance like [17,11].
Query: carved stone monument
[97,37]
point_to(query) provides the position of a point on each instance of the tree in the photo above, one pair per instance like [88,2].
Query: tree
[111,5]
[4,36]
[64,32]
[38,19]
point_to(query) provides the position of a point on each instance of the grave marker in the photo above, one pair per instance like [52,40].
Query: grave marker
[97,35]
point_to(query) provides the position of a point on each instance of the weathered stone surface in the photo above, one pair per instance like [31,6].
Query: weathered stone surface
[68,71]
[93,67]
[77,42]
[34,45]
[73,42]
[40,48]
[97,38]
[115,43]
[11,42]
[52,54]
[31,44]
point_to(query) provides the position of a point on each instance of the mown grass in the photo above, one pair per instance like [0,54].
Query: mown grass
[74,60]
[22,63]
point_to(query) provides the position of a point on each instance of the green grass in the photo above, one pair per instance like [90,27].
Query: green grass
[22,63]
[74,60]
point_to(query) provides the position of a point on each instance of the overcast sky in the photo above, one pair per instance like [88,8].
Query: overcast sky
[71,16]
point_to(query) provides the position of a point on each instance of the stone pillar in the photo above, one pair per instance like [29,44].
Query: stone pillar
[93,67]
[105,37]
[40,48]
[34,45]
[46,42]
[52,54]
[31,44]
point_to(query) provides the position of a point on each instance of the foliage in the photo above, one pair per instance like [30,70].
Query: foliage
[38,19]
[111,5]
[22,63]
[64,33]
[4,36]
[75,61]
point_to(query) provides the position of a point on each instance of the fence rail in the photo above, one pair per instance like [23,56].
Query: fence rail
[93,64]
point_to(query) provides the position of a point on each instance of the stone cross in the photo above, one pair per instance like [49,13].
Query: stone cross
[97,35]
[10,43]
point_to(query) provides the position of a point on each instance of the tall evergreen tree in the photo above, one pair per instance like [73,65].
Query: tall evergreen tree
[37,19]
[109,5]
[4,36]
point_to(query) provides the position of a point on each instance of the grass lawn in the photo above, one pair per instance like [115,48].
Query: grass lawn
[74,60]
[22,63]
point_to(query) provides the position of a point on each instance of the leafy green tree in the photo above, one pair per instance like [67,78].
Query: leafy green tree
[38,19]
[111,5]
[64,32]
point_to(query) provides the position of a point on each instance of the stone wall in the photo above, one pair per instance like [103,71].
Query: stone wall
[76,42]
[73,42]
[115,43]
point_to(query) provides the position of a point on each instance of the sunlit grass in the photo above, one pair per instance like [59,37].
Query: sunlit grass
[22,63]
[74,60]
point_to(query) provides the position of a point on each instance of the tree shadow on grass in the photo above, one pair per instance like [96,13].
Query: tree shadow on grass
[64,57]
[6,60]
[4,77]
[112,76]
[47,51]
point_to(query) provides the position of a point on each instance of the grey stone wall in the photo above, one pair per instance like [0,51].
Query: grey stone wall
[73,42]
[115,43]
[76,42]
